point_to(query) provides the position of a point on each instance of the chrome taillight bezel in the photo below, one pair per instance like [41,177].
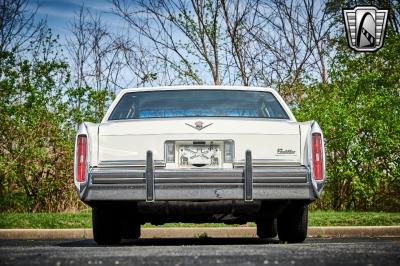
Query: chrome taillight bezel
[315,129]
[81,161]
[317,156]
[82,131]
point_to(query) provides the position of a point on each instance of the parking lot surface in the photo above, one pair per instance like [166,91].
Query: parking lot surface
[203,251]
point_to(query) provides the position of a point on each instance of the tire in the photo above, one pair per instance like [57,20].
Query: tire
[267,228]
[106,226]
[130,229]
[293,224]
[132,232]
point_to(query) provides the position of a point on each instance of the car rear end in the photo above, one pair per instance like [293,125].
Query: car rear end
[156,160]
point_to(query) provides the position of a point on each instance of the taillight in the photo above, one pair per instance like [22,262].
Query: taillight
[317,156]
[81,158]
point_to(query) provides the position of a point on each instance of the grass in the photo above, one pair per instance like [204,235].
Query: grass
[83,220]
[46,220]
[332,218]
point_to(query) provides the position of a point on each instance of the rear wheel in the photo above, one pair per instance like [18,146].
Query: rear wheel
[293,224]
[130,226]
[107,226]
[267,228]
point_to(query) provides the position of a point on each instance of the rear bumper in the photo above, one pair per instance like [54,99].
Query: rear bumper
[149,184]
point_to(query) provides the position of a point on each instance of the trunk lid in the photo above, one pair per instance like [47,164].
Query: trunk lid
[269,140]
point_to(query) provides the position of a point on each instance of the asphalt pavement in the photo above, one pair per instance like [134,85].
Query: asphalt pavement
[203,251]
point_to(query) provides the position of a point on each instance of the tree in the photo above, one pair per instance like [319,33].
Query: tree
[178,32]
[94,51]
[96,65]
[37,120]
[359,114]
[189,37]
[240,18]
[35,139]
[293,38]
[18,28]
[266,43]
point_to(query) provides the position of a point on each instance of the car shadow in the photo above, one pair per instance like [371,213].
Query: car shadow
[175,242]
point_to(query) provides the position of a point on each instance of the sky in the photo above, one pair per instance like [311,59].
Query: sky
[60,13]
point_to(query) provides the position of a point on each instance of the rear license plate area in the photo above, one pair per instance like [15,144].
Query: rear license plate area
[197,154]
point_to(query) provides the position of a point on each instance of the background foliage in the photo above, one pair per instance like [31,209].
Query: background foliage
[38,121]
[46,92]
[359,112]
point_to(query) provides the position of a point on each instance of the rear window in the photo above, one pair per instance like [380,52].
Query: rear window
[198,103]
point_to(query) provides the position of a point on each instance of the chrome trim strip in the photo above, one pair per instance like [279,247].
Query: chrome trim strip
[277,171]
[130,163]
[266,162]
[191,180]
[108,172]
[201,173]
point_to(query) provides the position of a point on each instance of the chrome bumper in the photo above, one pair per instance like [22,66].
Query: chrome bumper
[150,184]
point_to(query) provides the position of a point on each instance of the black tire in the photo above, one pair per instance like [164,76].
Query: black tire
[267,228]
[293,224]
[131,232]
[107,225]
[130,226]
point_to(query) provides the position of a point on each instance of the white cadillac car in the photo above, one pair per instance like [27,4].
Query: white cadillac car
[199,154]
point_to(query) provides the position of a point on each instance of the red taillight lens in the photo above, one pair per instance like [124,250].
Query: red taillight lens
[81,159]
[317,156]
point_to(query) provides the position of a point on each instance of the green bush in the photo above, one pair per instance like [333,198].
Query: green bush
[359,112]
[39,115]
[36,153]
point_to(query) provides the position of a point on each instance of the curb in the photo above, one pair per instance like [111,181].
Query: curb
[195,232]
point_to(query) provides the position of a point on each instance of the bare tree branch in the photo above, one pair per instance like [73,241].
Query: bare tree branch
[18,27]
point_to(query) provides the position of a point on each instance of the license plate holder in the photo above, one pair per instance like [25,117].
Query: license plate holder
[200,155]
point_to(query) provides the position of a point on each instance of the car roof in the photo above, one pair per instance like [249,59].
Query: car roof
[196,87]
